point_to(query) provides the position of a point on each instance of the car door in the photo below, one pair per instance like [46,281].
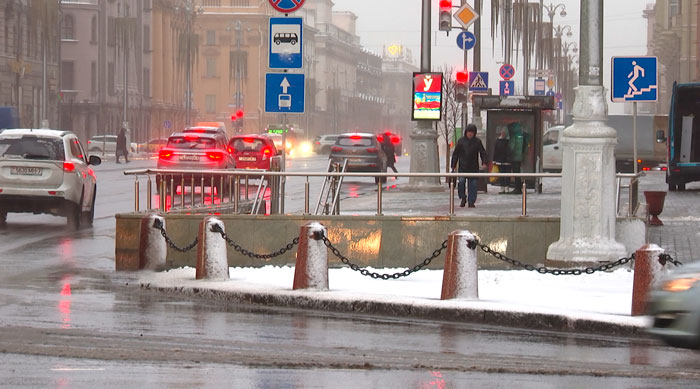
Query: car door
[552,153]
[76,155]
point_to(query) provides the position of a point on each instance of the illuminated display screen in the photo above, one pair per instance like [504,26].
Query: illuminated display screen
[427,96]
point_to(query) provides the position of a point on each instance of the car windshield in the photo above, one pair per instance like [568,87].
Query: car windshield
[354,141]
[32,147]
[248,144]
[191,142]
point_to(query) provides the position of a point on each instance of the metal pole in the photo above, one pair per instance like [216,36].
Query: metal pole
[477,34]
[524,211]
[634,135]
[188,83]
[149,194]
[284,161]
[425,38]
[136,194]
[379,197]
[306,196]
[591,45]
[44,84]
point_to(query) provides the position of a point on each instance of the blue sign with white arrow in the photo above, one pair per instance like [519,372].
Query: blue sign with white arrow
[284,93]
[466,40]
[286,43]
[634,79]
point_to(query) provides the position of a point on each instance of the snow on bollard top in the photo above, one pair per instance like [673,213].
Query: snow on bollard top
[215,261]
[317,264]
[464,234]
[156,249]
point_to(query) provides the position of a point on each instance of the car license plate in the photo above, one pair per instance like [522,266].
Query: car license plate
[247,159]
[25,171]
[355,160]
[189,158]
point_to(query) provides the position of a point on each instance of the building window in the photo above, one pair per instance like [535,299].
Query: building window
[67,75]
[146,38]
[210,103]
[93,78]
[147,82]
[211,37]
[211,67]
[111,31]
[93,29]
[147,5]
[68,28]
[110,78]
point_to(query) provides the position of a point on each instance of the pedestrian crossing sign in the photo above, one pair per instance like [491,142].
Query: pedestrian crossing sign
[634,79]
[478,81]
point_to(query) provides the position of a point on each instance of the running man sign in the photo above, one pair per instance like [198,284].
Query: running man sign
[634,79]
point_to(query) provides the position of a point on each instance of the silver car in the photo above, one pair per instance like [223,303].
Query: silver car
[675,308]
[362,151]
[46,171]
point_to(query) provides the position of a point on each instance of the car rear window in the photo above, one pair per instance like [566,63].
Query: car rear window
[193,142]
[354,141]
[32,147]
[248,144]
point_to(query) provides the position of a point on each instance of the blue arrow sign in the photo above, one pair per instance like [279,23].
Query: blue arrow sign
[466,40]
[507,88]
[284,93]
[286,39]
[550,93]
[634,79]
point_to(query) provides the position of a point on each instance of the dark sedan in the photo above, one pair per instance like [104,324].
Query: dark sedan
[362,151]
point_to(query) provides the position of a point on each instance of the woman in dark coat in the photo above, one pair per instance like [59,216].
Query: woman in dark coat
[390,152]
[121,146]
[500,156]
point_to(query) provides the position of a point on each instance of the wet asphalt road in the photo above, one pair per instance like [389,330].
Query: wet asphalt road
[67,320]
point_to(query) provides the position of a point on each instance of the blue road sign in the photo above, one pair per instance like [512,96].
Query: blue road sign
[466,40]
[560,105]
[507,71]
[634,79]
[550,93]
[284,93]
[539,87]
[286,6]
[478,81]
[507,88]
[286,43]
[167,124]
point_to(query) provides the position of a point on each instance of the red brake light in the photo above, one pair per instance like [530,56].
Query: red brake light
[355,137]
[230,150]
[267,151]
[165,154]
[248,140]
[68,167]
[336,149]
[380,138]
[191,137]
[215,155]
[395,139]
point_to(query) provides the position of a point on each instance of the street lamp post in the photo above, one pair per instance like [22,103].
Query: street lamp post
[551,12]
[588,217]
[563,73]
[190,13]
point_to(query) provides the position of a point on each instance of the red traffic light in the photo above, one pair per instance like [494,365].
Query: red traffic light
[239,114]
[446,4]
[462,76]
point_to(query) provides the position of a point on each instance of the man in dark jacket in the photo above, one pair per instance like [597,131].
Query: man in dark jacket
[121,146]
[467,152]
[390,152]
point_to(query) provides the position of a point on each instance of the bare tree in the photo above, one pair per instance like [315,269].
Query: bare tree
[451,111]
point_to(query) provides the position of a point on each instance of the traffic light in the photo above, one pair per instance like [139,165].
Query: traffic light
[461,88]
[237,120]
[445,15]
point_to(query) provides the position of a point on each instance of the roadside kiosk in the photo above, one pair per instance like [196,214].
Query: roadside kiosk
[521,117]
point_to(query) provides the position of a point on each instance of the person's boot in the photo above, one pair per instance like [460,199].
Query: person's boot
[463,203]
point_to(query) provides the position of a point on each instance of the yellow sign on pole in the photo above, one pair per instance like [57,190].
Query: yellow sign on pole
[466,15]
[550,83]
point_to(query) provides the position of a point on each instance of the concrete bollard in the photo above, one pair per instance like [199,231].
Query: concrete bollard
[647,269]
[212,262]
[311,270]
[460,278]
[152,246]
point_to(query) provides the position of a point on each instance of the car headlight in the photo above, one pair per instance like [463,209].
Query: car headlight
[681,284]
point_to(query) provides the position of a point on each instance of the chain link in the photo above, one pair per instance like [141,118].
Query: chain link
[158,224]
[374,275]
[556,272]
[663,258]
[248,253]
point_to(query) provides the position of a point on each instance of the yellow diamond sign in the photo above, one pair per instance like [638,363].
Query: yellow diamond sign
[466,15]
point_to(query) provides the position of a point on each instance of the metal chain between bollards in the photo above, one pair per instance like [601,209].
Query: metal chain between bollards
[158,224]
[238,248]
[374,275]
[663,258]
[556,272]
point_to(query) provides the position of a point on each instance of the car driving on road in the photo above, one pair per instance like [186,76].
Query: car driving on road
[252,151]
[106,144]
[46,171]
[323,143]
[362,151]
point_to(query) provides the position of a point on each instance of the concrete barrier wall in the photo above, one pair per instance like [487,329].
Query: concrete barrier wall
[386,241]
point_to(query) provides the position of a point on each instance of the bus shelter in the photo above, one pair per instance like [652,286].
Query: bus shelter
[520,117]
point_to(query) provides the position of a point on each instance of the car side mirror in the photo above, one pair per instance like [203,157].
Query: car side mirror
[94,160]
[660,137]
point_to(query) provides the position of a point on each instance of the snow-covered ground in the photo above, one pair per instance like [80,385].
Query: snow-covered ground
[602,296]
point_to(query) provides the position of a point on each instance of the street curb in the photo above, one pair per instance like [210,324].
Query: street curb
[317,301]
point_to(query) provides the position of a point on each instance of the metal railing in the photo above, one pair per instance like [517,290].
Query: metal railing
[230,181]
[633,192]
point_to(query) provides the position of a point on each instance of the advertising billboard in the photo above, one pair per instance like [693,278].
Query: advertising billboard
[427,96]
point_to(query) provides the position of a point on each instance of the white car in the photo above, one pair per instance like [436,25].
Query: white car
[552,151]
[106,144]
[323,143]
[46,171]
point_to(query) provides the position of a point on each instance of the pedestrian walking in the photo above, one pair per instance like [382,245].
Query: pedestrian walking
[121,146]
[390,153]
[501,158]
[467,152]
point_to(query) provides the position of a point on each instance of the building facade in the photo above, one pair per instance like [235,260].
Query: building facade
[22,40]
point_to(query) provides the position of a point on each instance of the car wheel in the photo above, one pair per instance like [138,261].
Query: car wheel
[672,187]
[3,218]
[89,216]
[681,187]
